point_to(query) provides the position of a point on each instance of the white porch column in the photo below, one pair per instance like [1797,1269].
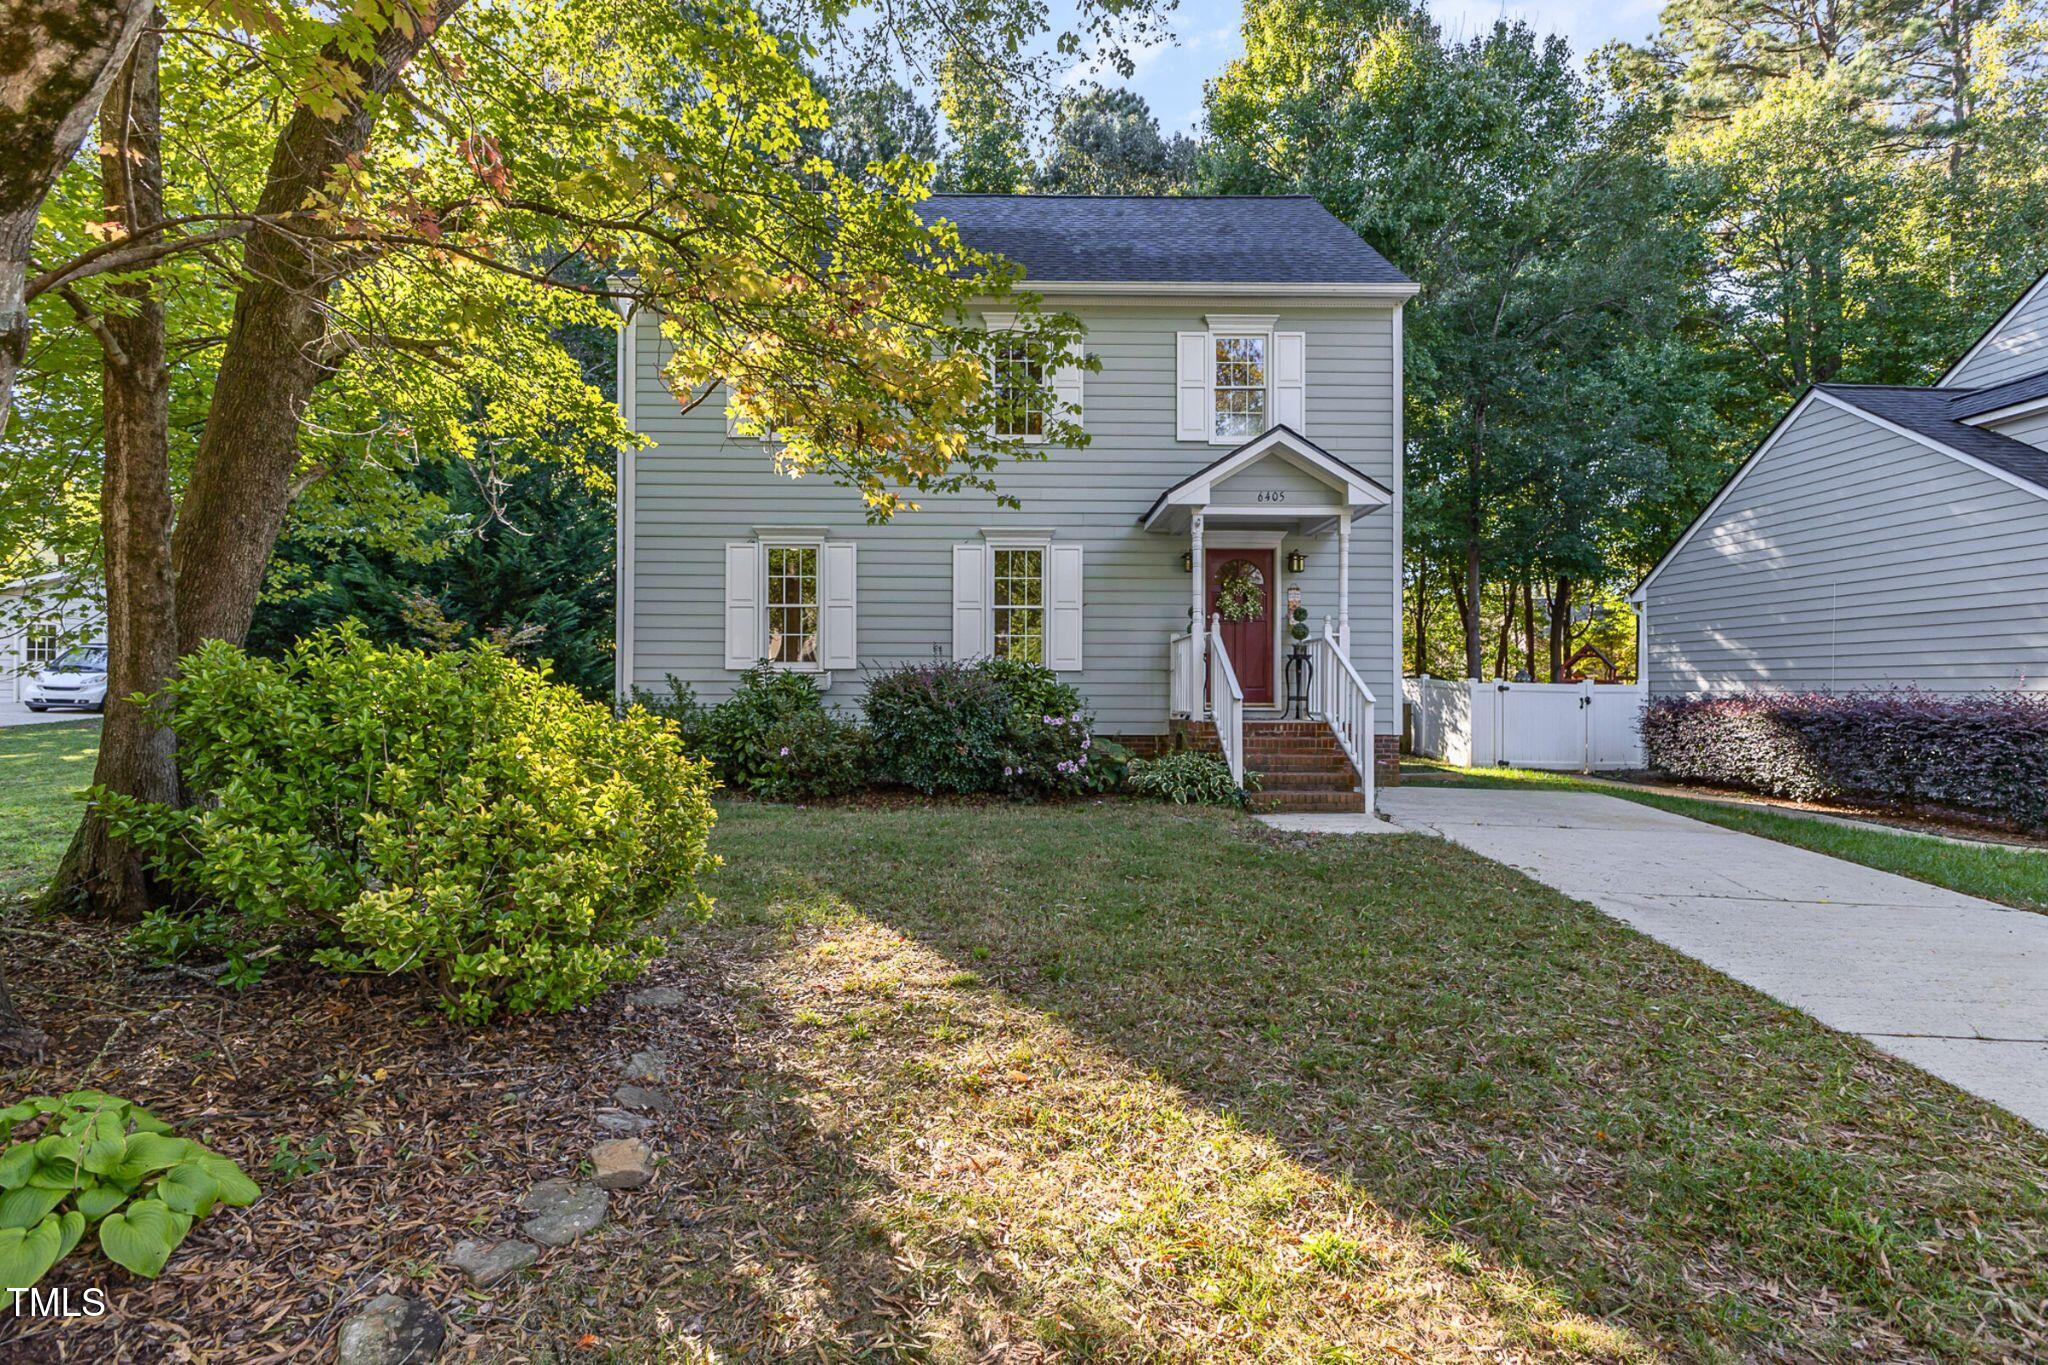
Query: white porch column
[1344,582]
[1196,621]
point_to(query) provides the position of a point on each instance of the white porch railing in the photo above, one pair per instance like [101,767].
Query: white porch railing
[1344,701]
[1227,700]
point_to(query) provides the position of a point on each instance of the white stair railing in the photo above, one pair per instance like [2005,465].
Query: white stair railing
[1228,700]
[1346,704]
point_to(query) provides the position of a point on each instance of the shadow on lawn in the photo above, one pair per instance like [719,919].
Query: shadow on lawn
[1428,1033]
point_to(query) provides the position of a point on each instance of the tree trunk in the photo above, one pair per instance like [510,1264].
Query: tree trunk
[1475,646]
[1560,626]
[57,58]
[100,875]
[1421,616]
[1507,630]
[1528,628]
[244,476]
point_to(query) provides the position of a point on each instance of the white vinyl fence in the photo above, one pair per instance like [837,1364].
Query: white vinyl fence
[1470,723]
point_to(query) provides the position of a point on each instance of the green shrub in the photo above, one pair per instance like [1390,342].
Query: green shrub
[396,811]
[97,1159]
[995,725]
[772,737]
[1048,744]
[940,727]
[815,756]
[1190,778]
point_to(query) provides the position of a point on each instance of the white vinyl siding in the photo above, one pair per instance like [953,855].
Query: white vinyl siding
[1850,557]
[695,490]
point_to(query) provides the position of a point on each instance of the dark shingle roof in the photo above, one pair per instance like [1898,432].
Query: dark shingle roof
[1976,401]
[1932,413]
[1194,239]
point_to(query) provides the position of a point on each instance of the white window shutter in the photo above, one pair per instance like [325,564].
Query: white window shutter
[743,643]
[1290,379]
[1066,385]
[838,592]
[1063,612]
[970,600]
[1191,389]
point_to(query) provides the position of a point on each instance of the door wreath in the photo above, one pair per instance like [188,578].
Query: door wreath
[1241,591]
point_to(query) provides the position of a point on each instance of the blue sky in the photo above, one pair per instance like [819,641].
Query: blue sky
[1206,37]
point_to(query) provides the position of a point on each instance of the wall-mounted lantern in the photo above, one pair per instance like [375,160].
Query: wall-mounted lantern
[1187,561]
[1296,561]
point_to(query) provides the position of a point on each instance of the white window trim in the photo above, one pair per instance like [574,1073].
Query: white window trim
[1239,325]
[1017,540]
[780,540]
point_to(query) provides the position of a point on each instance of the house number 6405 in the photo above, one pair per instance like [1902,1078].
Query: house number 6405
[1272,495]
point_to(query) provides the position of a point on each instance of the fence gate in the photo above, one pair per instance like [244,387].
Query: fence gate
[1569,726]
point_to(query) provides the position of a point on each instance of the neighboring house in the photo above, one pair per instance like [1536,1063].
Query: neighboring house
[1881,536]
[1246,421]
[40,617]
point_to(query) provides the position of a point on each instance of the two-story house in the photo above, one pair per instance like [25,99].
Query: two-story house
[1244,444]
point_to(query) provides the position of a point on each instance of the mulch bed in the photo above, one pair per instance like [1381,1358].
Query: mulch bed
[381,1134]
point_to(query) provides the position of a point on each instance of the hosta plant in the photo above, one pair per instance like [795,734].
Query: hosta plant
[89,1159]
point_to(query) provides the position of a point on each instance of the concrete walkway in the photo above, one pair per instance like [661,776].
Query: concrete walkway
[1955,985]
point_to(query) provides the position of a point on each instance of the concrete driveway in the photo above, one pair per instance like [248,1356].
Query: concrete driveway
[14,713]
[1955,985]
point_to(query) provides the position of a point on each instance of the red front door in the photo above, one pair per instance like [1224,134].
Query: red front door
[1249,640]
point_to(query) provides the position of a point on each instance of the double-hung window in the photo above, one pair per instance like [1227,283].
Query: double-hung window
[42,643]
[792,602]
[1239,379]
[1019,391]
[1240,386]
[1018,604]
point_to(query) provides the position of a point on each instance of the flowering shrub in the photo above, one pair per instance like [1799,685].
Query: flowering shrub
[995,725]
[1186,777]
[814,755]
[397,811]
[1986,753]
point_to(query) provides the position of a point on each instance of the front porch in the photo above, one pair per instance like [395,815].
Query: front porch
[1258,673]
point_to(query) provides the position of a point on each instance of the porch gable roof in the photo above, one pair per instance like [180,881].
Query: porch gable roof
[1361,493]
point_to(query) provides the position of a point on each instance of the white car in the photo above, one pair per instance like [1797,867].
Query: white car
[78,678]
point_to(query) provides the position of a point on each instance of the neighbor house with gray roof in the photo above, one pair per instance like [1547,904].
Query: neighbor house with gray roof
[1881,536]
[1244,428]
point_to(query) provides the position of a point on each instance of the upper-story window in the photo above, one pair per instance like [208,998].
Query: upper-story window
[1238,378]
[793,604]
[1020,407]
[1240,386]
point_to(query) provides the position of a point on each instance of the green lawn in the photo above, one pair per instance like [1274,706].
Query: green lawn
[2010,876]
[42,770]
[1130,1082]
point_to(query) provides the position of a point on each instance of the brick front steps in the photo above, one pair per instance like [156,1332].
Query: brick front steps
[1300,767]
